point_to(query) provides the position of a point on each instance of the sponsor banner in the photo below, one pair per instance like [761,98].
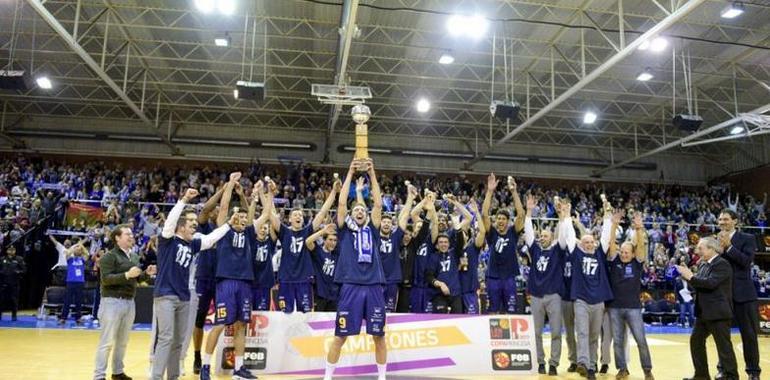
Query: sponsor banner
[439,344]
[764,315]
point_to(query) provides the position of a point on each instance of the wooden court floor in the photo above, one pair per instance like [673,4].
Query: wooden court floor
[59,354]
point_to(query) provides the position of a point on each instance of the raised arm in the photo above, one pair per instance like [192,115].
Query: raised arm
[208,241]
[241,196]
[481,234]
[267,205]
[224,203]
[403,216]
[275,220]
[430,206]
[169,226]
[417,210]
[518,222]
[529,230]
[466,222]
[209,206]
[640,238]
[606,225]
[328,203]
[312,239]
[360,183]
[612,251]
[376,213]
[567,238]
[342,203]
[253,203]
[487,204]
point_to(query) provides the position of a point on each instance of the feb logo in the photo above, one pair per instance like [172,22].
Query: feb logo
[519,327]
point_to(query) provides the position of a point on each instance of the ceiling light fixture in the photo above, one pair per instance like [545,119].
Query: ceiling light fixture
[736,130]
[657,44]
[204,6]
[446,59]
[469,26]
[423,105]
[645,75]
[733,10]
[44,83]
[589,118]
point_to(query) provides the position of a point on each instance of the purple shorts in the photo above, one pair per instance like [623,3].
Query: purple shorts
[420,300]
[502,295]
[260,298]
[359,302]
[391,297]
[233,300]
[470,303]
[299,292]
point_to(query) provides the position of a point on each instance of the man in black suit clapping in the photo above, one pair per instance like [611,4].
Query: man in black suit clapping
[739,249]
[713,309]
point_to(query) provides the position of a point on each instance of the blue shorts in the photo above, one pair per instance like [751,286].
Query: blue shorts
[502,295]
[391,297]
[299,292]
[420,300]
[205,288]
[233,302]
[359,302]
[260,298]
[470,303]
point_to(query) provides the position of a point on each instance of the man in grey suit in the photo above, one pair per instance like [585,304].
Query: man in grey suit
[713,286]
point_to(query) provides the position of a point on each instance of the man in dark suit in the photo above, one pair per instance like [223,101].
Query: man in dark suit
[739,249]
[713,309]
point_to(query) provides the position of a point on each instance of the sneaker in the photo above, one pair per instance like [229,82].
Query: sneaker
[243,374]
[572,368]
[605,368]
[197,366]
[120,376]
[648,375]
[552,371]
[95,321]
[181,368]
[541,369]
[582,370]
[205,372]
[622,374]
[591,374]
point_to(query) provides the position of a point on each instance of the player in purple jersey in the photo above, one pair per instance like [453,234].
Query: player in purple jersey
[469,265]
[235,276]
[204,276]
[177,248]
[324,262]
[359,271]
[296,267]
[264,275]
[391,240]
[502,238]
[421,294]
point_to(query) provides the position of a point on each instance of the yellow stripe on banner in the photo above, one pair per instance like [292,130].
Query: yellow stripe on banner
[317,346]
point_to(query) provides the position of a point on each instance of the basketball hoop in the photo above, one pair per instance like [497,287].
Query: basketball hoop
[342,95]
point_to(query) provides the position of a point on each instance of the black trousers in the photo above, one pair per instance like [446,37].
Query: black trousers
[403,299]
[721,331]
[9,298]
[447,304]
[746,316]
[322,304]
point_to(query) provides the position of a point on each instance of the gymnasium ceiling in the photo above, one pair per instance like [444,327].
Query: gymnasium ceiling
[176,74]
